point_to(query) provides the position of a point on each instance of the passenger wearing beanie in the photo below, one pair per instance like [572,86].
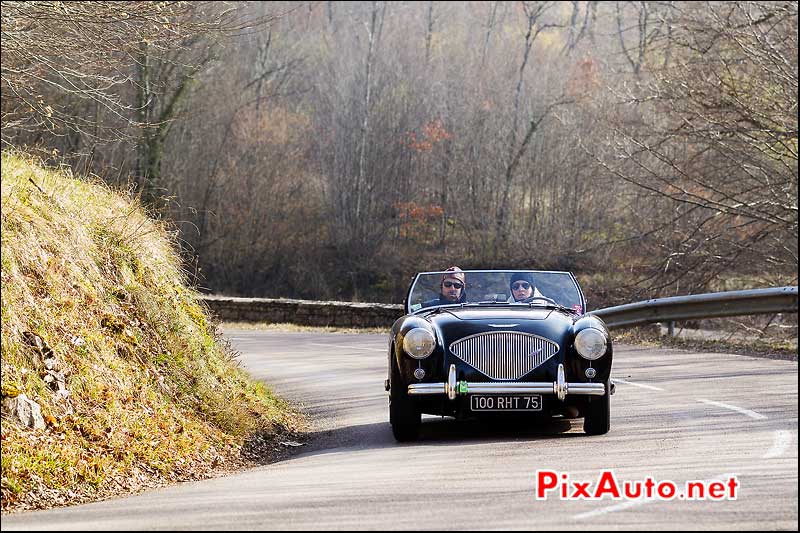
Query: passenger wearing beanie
[452,289]
[522,287]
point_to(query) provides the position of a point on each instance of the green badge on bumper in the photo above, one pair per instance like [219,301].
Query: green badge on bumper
[462,387]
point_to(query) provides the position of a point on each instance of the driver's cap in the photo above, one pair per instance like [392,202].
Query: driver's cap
[455,273]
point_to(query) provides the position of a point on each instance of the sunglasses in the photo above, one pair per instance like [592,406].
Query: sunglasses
[450,284]
[521,285]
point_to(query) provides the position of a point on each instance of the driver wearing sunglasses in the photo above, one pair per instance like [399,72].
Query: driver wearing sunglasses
[452,289]
[522,287]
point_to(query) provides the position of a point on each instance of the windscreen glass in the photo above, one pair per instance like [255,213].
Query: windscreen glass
[495,287]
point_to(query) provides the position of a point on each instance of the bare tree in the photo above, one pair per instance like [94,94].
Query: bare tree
[534,12]
[84,51]
[647,22]
[363,185]
[131,63]
[717,138]
[575,35]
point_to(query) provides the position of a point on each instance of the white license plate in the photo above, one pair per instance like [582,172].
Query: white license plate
[479,402]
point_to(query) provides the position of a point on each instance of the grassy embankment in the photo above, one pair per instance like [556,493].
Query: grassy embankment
[99,328]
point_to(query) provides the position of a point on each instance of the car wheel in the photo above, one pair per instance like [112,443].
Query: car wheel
[597,419]
[404,416]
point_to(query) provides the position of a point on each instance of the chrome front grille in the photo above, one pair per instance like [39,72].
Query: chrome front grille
[504,355]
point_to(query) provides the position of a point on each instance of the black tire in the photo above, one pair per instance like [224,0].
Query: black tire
[404,416]
[597,419]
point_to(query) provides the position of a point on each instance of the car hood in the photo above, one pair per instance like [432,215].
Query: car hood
[455,323]
[498,313]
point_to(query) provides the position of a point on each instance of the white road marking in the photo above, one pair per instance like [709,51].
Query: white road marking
[782,441]
[649,387]
[349,347]
[746,412]
[640,501]
[612,509]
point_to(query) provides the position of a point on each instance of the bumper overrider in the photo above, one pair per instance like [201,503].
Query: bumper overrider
[560,388]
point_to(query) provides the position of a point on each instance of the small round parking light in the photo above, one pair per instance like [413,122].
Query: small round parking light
[419,373]
[591,343]
[419,343]
[590,373]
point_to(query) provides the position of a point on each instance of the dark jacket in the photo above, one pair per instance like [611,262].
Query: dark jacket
[441,300]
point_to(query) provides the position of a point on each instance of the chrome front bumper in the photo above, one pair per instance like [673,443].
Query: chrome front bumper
[559,388]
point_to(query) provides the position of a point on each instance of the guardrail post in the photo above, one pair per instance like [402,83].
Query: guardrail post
[671,328]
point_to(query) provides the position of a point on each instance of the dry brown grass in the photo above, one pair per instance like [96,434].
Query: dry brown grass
[153,395]
[769,347]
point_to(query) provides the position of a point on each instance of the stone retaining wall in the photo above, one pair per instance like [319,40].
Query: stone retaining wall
[304,312]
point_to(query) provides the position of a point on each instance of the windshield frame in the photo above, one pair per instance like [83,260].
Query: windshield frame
[408,311]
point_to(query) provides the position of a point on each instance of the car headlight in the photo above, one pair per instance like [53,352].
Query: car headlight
[591,343]
[419,343]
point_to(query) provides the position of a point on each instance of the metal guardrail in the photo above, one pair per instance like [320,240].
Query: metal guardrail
[710,305]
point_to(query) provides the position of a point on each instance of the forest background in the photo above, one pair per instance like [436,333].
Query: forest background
[330,150]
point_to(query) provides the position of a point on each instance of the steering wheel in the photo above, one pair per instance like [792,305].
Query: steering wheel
[530,299]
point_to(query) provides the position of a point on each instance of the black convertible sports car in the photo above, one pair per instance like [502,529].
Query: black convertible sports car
[487,343]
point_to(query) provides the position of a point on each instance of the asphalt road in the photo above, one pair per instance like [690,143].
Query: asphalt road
[676,416]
